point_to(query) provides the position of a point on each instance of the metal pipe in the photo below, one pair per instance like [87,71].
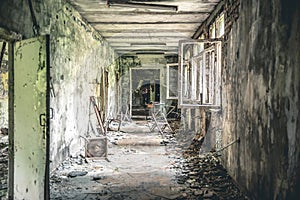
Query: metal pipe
[228,145]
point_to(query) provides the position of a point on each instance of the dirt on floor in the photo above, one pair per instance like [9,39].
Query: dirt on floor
[3,163]
[144,165]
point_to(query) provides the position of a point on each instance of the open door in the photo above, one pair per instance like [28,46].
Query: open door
[29,119]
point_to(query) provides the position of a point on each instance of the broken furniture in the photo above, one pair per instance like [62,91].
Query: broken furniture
[96,147]
[158,118]
[98,115]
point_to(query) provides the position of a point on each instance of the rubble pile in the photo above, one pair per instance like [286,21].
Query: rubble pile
[3,164]
[201,175]
[205,178]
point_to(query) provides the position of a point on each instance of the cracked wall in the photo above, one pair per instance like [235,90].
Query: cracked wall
[78,58]
[261,99]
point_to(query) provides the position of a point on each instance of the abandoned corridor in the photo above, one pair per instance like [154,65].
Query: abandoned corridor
[227,70]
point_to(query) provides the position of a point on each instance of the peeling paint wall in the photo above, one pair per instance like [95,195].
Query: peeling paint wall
[78,57]
[261,91]
[260,98]
[29,157]
[84,59]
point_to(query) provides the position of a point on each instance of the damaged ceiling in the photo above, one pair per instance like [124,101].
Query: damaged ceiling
[148,26]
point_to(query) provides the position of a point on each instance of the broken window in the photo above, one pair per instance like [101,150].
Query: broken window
[200,73]
[220,26]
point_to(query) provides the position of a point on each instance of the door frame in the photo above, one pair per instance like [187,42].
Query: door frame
[142,68]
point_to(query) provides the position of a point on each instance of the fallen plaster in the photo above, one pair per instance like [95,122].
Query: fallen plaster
[134,171]
[130,127]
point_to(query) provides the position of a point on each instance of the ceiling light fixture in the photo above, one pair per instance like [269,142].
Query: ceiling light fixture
[134,4]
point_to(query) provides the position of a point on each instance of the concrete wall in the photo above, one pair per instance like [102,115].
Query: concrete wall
[261,90]
[78,58]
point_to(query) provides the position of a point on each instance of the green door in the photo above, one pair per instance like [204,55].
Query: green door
[29,119]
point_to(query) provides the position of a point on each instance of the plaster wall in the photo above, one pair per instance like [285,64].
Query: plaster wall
[78,57]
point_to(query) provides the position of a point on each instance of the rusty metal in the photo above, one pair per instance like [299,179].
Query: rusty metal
[97,112]
[228,145]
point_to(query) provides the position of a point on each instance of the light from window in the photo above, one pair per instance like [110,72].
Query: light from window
[200,73]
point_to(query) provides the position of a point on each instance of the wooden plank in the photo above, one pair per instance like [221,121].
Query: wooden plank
[97,112]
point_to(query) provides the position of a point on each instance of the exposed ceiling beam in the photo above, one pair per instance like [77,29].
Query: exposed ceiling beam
[150,30]
[150,34]
[146,17]
[139,12]
[145,39]
[147,27]
[183,6]
[145,23]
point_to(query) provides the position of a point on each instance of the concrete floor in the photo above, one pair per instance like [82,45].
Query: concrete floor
[141,166]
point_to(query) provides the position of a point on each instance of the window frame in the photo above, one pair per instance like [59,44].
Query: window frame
[196,91]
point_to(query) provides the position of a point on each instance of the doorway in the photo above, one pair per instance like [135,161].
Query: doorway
[144,89]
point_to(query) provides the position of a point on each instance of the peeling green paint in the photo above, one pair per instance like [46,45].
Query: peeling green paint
[29,135]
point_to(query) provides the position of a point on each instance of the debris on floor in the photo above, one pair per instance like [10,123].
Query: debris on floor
[136,171]
[73,174]
[3,163]
[129,127]
[96,147]
[143,139]
[205,177]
